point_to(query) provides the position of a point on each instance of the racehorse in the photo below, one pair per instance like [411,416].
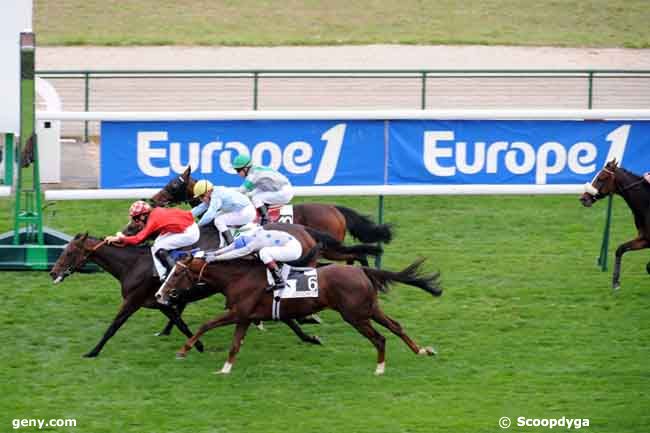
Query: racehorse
[330,249]
[331,219]
[132,266]
[352,291]
[635,190]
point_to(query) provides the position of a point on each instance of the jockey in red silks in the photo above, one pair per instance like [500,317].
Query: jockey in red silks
[175,229]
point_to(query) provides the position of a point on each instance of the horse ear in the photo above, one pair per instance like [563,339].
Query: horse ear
[187,172]
[84,237]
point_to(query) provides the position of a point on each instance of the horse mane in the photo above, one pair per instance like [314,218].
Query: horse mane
[136,248]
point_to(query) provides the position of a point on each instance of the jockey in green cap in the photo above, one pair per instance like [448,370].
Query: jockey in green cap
[264,185]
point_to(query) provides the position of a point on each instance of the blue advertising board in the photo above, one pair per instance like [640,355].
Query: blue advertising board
[137,154]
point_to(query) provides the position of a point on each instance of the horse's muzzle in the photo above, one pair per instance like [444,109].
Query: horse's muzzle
[587,199]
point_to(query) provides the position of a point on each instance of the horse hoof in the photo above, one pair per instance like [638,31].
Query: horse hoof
[616,287]
[379,371]
[317,340]
[647,268]
[181,355]
[429,351]
[199,346]
[161,334]
[260,326]
[90,355]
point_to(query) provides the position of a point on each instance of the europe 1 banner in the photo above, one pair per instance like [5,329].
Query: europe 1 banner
[141,154]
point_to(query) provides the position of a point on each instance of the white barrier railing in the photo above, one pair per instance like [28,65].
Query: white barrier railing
[95,194]
[595,114]
[5,191]
[621,114]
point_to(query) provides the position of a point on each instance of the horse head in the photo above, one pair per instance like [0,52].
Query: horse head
[73,257]
[604,183]
[181,279]
[177,190]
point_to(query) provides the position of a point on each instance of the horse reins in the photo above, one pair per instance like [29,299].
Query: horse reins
[633,184]
[198,280]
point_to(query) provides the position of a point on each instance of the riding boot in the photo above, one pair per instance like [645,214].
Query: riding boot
[228,238]
[264,214]
[279,283]
[166,260]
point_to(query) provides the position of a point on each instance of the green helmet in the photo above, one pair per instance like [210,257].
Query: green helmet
[242,161]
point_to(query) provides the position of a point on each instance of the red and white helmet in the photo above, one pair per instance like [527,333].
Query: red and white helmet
[139,207]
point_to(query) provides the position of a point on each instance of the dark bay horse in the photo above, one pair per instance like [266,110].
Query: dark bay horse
[352,291]
[132,266]
[331,219]
[635,190]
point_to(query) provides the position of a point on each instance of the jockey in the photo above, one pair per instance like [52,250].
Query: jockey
[264,185]
[225,206]
[272,245]
[175,228]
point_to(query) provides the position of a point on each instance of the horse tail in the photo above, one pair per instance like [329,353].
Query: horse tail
[308,258]
[410,275]
[330,243]
[363,228]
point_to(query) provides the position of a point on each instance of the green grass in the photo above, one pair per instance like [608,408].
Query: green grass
[527,326]
[602,23]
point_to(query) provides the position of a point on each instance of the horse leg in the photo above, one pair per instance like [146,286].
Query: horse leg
[313,339]
[238,336]
[635,244]
[365,328]
[176,319]
[393,326]
[226,319]
[128,307]
[170,323]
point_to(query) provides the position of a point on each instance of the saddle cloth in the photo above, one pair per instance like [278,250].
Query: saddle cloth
[279,214]
[301,283]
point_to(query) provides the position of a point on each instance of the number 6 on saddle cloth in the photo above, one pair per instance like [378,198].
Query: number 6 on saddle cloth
[301,283]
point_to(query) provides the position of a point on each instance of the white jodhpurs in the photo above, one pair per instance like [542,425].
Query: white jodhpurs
[288,252]
[282,196]
[170,241]
[237,218]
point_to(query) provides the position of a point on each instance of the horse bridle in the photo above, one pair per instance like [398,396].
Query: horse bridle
[612,173]
[71,269]
[186,269]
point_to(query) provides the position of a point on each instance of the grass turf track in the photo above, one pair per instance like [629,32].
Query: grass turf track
[527,326]
[596,23]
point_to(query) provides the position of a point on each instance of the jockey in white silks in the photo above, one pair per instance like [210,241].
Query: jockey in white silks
[223,206]
[264,185]
[272,245]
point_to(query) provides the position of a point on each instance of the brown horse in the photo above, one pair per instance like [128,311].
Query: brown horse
[635,190]
[330,248]
[334,220]
[133,267]
[352,291]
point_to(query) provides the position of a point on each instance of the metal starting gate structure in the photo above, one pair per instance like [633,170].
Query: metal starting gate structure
[30,246]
